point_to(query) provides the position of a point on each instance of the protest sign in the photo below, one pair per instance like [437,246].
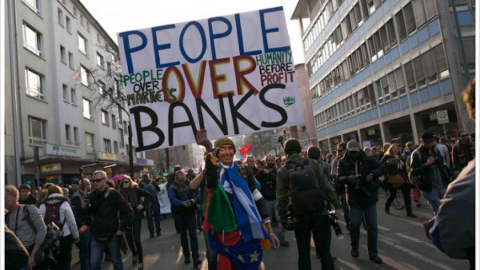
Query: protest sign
[230,74]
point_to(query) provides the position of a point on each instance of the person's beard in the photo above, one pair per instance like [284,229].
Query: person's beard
[270,166]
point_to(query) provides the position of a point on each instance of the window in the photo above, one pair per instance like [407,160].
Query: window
[125,127]
[402,31]
[441,61]
[33,4]
[114,122]
[90,142]
[391,33]
[65,92]
[60,18]
[431,9]
[37,132]
[101,87]
[100,61]
[32,40]
[409,76]
[119,113]
[73,96]
[34,84]
[81,19]
[419,71]
[67,133]
[74,11]
[419,13]
[469,46]
[409,18]
[115,147]
[69,24]
[105,117]
[87,113]
[71,64]
[84,75]
[122,141]
[400,81]
[107,146]
[75,135]
[109,69]
[63,55]
[99,40]
[88,27]
[82,44]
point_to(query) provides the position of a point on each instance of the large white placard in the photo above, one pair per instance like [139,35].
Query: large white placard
[230,74]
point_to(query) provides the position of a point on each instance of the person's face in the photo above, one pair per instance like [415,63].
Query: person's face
[411,147]
[98,182]
[125,183]
[10,201]
[386,146]
[278,162]
[250,162]
[87,186]
[353,155]
[75,187]
[340,152]
[428,145]
[463,137]
[225,154]
[270,162]
[24,193]
[395,150]
[180,179]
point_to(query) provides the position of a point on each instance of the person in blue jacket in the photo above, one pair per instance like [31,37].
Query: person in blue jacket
[183,201]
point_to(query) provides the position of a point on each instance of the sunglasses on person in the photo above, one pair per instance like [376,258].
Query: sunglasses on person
[96,180]
[126,182]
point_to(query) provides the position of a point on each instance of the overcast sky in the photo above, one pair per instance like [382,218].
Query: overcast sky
[121,15]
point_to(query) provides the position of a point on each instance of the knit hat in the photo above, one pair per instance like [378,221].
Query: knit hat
[223,141]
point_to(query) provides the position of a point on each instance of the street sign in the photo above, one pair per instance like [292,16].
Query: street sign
[442,117]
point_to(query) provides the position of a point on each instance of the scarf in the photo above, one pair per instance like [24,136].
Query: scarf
[246,213]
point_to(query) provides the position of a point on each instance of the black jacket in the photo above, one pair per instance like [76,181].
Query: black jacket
[422,171]
[78,213]
[268,183]
[104,213]
[133,197]
[367,195]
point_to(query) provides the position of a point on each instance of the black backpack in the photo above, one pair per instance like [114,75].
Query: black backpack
[306,196]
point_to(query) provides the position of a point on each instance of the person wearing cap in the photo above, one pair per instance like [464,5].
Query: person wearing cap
[236,213]
[26,196]
[431,174]
[360,173]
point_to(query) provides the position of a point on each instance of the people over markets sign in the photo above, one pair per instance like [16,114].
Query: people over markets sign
[229,74]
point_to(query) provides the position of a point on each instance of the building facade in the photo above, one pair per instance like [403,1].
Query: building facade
[63,95]
[386,70]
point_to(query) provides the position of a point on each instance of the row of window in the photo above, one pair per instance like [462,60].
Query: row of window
[425,69]
[354,18]
[38,130]
[380,43]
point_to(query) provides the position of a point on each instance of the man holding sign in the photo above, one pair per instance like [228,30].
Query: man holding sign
[209,74]
[235,234]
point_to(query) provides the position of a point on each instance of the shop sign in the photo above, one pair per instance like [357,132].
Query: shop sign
[144,161]
[60,150]
[50,167]
[442,117]
[107,156]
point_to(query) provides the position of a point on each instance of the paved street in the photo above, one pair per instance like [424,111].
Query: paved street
[402,245]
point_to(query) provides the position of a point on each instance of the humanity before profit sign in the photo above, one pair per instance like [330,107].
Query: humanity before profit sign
[230,74]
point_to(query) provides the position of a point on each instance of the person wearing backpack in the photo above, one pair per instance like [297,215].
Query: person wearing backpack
[56,209]
[308,186]
[153,208]
[27,223]
[360,173]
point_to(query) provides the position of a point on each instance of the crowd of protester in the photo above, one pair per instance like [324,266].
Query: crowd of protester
[245,207]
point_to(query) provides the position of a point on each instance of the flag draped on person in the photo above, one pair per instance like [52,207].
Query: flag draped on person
[241,246]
